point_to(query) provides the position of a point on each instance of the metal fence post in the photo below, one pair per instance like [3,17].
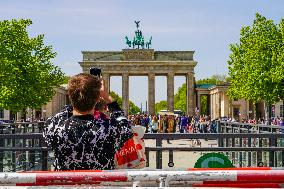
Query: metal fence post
[240,153]
[171,158]
[233,154]
[282,152]
[147,157]
[272,153]
[159,154]
[1,153]
[32,153]
[249,153]
[227,130]
[24,159]
[259,153]
[13,127]
[44,156]
[220,141]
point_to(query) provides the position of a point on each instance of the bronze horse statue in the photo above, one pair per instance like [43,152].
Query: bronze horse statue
[128,42]
[149,43]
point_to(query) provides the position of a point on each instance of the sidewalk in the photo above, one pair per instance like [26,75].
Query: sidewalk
[181,159]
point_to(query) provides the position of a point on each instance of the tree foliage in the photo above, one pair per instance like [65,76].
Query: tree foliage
[203,104]
[162,105]
[27,76]
[66,79]
[256,64]
[180,98]
[215,79]
[133,109]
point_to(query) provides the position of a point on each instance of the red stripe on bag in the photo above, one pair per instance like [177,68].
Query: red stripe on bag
[127,153]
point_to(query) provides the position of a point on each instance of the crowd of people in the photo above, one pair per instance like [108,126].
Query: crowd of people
[174,123]
[189,124]
[273,121]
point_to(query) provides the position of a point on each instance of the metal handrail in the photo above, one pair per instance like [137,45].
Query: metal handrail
[252,125]
[165,136]
[188,149]
[215,149]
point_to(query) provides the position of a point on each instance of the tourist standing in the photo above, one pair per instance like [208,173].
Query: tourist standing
[183,124]
[165,123]
[171,124]
[154,124]
[145,122]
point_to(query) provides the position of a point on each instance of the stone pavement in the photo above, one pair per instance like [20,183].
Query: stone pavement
[181,159]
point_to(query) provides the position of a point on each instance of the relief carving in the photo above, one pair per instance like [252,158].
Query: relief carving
[138,54]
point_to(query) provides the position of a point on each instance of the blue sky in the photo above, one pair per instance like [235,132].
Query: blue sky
[205,26]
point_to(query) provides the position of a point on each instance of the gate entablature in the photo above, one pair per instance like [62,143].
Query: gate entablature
[120,55]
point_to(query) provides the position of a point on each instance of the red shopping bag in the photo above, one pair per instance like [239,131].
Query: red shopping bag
[132,154]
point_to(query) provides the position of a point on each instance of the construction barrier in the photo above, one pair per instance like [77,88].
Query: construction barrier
[215,177]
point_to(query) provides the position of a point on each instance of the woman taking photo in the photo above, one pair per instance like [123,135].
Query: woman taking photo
[79,141]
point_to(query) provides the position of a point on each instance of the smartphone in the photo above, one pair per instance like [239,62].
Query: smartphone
[96,72]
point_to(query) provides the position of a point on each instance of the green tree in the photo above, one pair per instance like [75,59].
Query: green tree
[180,98]
[256,64]
[66,79]
[204,106]
[162,105]
[27,76]
[215,79]
[133,109]
[116,97]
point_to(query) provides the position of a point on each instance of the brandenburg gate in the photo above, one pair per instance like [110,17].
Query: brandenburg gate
[144,62]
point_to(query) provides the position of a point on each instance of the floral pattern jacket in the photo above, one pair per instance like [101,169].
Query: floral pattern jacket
[85,143]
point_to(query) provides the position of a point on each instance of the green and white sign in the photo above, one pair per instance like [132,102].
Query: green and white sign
[213,160]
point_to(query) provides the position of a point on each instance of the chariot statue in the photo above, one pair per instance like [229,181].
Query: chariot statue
[138,40]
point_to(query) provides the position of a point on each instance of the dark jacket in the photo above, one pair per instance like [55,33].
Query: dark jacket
[85,143]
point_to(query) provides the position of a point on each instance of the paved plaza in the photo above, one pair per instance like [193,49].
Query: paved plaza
[181,159]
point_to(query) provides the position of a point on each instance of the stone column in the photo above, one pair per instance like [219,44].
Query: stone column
[151,93]
[208,105]
[125,93]
[199,102]
[170,91]
[211,104]
[226,105]
[219,104]
[215,106]
[190,94]
[106,78]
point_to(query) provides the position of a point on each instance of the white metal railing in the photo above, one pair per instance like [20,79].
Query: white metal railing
[234,177]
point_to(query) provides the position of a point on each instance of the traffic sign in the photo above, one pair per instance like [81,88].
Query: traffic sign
[213,160]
